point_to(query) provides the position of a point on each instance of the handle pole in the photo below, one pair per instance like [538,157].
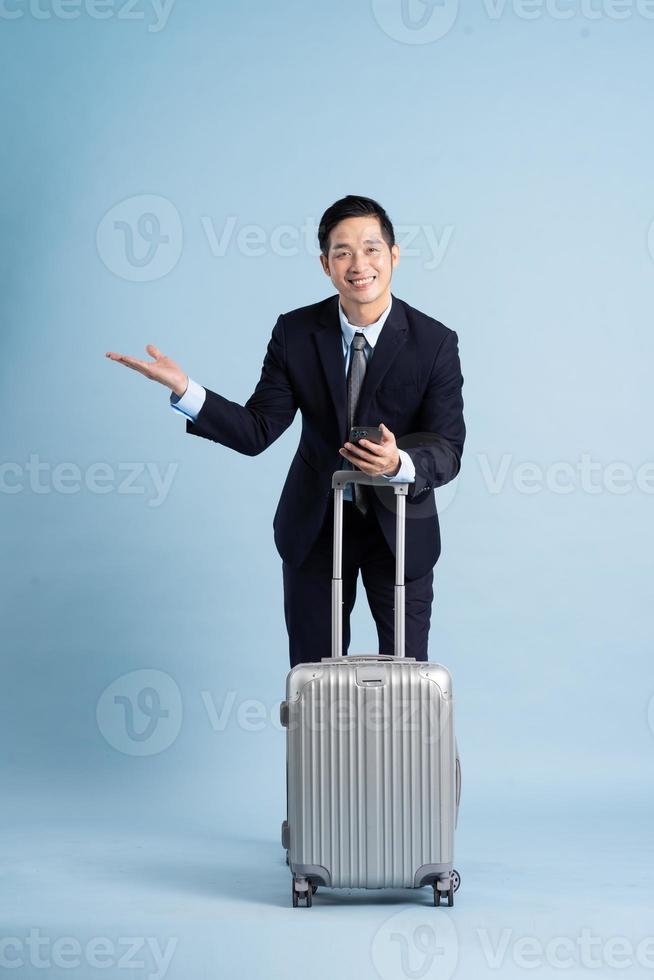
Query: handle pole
[339,481]
[337,576]
[399,576]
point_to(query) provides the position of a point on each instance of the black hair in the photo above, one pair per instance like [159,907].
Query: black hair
[353,206]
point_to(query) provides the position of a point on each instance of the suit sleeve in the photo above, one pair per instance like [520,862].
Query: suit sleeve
[271,408]
[437,446]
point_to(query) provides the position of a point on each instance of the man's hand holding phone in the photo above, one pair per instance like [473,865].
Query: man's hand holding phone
[372,450]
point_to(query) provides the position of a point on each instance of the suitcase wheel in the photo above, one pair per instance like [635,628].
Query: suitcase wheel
[455,883]
[449,893]
[305,893]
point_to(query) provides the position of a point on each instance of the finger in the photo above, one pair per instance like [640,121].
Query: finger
[154,351]
[142,366]
[357,452]
[387,435]
[359,463]
[372,447]
[135,362]
[352,458]
[378,456]
[124,358]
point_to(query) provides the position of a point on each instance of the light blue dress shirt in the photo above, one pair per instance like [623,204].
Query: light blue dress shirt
[190,403]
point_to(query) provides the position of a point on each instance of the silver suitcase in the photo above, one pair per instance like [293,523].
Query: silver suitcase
[373,772]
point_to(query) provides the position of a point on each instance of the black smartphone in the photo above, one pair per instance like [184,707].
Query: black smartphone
[371,432]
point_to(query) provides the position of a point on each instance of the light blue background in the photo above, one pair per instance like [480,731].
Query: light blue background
[523,144]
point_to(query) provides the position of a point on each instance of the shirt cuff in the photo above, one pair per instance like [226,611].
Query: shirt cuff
[190,403]
[406,472]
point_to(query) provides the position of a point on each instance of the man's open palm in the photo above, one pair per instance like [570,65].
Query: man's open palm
[162,369]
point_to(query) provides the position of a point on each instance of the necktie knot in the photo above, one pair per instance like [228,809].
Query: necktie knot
[359,341]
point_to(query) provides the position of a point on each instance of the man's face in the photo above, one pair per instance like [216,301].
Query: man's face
[359,261]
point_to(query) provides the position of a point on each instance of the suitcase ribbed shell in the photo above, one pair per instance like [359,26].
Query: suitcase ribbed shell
[372,792]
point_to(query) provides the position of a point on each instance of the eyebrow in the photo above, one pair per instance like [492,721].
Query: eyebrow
[368,241]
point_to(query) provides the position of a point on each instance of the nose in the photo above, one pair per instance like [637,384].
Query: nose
[358,264]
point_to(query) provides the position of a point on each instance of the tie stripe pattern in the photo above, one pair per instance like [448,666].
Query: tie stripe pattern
[355,377]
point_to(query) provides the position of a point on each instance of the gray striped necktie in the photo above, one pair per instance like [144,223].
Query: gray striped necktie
[355,375]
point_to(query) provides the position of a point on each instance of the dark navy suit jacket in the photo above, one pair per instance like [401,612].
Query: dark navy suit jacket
[413,385]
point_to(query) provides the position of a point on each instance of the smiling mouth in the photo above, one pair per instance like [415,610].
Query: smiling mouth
[362,283]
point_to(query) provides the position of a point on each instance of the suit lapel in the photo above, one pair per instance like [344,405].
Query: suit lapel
[392,338]
[329,342]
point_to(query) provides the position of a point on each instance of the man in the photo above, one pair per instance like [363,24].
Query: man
[361,357]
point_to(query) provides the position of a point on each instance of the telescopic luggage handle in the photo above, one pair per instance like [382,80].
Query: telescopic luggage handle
[339,481]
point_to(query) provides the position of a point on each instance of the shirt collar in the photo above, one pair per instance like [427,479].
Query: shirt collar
[371,332]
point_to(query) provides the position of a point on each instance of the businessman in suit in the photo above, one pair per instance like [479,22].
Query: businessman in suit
[363,357]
